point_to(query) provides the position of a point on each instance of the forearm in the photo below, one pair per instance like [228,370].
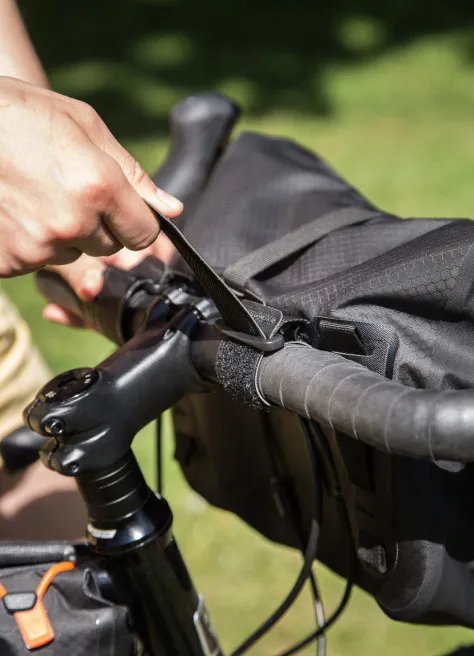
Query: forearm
[18,57]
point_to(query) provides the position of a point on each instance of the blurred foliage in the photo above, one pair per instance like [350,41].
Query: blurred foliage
[384,91]
[272,54]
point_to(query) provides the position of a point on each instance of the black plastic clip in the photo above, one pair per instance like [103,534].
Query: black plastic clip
[264,344]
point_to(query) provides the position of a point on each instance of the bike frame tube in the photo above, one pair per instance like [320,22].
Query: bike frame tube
[91,417]
[131,529]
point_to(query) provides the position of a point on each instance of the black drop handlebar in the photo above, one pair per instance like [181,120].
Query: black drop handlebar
[323,386]
[389,416]
[337,392]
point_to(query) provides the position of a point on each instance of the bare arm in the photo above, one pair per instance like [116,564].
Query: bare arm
[18,57]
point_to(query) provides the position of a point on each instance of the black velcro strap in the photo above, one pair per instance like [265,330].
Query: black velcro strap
[236,364]
[232,310]
[257,261]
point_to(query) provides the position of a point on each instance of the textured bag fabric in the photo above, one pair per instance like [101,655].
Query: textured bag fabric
[396,295]
[83,621]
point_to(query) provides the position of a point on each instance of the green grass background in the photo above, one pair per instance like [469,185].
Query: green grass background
[384,91]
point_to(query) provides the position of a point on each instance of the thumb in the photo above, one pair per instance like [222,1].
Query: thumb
[141,182]
[103,139]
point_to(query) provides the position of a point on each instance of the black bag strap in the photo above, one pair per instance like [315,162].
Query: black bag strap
[257,261]
[232,310]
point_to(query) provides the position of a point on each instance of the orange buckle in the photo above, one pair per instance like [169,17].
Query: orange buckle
[34,624]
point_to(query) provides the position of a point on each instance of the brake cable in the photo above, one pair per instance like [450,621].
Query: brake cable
[304,642]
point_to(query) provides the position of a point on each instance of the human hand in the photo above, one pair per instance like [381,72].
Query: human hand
[67,187]
[85,276]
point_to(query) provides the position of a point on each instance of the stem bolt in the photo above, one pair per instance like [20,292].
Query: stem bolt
[54,426]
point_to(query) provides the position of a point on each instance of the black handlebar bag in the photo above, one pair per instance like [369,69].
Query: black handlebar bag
[395,295]
[52,604]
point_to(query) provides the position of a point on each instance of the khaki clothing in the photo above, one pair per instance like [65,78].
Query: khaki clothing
[36,503]
[22,370]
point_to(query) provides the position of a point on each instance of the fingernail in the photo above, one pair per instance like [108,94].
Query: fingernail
[91,284]
[172,202]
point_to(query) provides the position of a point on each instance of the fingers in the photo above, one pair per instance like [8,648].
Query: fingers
[56,314]
[101,211]
[126,259]
[85,276]
[163,249]
[67,186]
[128,218]
[139,180]
[111,212]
